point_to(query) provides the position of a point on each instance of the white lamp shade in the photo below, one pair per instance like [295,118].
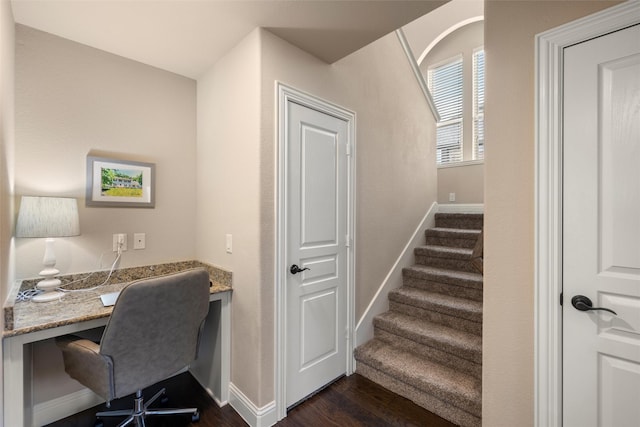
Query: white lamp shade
[48,217]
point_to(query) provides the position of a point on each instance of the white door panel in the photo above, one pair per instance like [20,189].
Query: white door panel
[620,151]
[601,231]
[620,387]
[320,339]
[316,199]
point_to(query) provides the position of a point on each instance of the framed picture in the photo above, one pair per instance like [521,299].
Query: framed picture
[120,183]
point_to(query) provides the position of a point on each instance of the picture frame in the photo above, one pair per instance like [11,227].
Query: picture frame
[120,183]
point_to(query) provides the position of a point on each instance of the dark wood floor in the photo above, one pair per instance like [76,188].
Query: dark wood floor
[350,401]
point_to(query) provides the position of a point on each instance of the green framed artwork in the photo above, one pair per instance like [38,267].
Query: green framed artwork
[120,183]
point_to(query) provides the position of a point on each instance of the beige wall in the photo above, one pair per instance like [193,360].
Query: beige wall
[7,34]
[395,147]
[72,100]
[228,164]
[508,329]
[467,182]
[394,188]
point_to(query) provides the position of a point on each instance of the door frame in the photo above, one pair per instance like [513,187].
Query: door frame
[284,95]
[549,198]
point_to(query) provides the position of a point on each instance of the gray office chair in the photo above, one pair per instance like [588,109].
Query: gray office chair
[153,333]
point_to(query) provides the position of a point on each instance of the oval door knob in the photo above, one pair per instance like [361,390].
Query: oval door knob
[582,303]
[295,269]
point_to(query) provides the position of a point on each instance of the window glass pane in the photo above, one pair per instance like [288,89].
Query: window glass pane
[478,148]
[445,83]
[449,146]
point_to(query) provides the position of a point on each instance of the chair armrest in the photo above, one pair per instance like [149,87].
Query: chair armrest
[83,362]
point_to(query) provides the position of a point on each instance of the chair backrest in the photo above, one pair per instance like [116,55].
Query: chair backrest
[154,329]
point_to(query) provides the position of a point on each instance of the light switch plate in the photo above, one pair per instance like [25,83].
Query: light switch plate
[229,243]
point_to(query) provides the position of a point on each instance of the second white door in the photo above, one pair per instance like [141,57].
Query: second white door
[316,210]
[601,232]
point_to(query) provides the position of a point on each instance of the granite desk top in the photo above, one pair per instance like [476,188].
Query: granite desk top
[22,317]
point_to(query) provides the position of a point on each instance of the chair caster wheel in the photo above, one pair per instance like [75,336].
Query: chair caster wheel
[98,423]
[195,417]
[164,401]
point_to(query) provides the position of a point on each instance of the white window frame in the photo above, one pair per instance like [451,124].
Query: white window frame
[477,116]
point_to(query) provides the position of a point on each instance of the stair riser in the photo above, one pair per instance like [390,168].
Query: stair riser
[436,317]
[455,238]
[446,358]
[444,409]
[444,288]
[449,263]
[464,222]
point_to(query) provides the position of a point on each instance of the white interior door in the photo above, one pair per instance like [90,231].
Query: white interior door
[316,209]
[601,231]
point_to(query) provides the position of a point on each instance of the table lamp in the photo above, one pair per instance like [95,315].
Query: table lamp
[48,217]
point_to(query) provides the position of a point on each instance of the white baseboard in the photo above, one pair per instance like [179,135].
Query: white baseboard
[380,303]
[462,208]
[63,406]
[254,416]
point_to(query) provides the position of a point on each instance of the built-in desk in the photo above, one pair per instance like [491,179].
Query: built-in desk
[29,322]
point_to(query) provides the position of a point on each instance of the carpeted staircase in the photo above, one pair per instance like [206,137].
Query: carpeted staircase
[428,346]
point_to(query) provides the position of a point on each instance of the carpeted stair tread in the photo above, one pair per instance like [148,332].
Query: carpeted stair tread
[444,252]
[441,303]
[437,355]
[460,233]
[462,344]
[437,406]
[444,275]
[456,388]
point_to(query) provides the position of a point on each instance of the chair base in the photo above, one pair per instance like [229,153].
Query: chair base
[141,410]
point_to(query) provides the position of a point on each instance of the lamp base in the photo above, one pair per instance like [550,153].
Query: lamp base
[47,296]
[49,287]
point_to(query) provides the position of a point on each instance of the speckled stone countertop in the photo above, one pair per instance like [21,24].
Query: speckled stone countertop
[22,317]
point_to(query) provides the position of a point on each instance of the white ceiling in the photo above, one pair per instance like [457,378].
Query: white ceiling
[188,36]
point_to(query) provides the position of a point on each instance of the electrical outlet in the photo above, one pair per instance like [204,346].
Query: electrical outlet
[119,240]
[452,197]
[139,240]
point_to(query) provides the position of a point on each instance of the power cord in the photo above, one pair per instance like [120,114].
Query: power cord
[113,266]
[28,294]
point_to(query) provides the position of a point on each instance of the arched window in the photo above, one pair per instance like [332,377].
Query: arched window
[454,69]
